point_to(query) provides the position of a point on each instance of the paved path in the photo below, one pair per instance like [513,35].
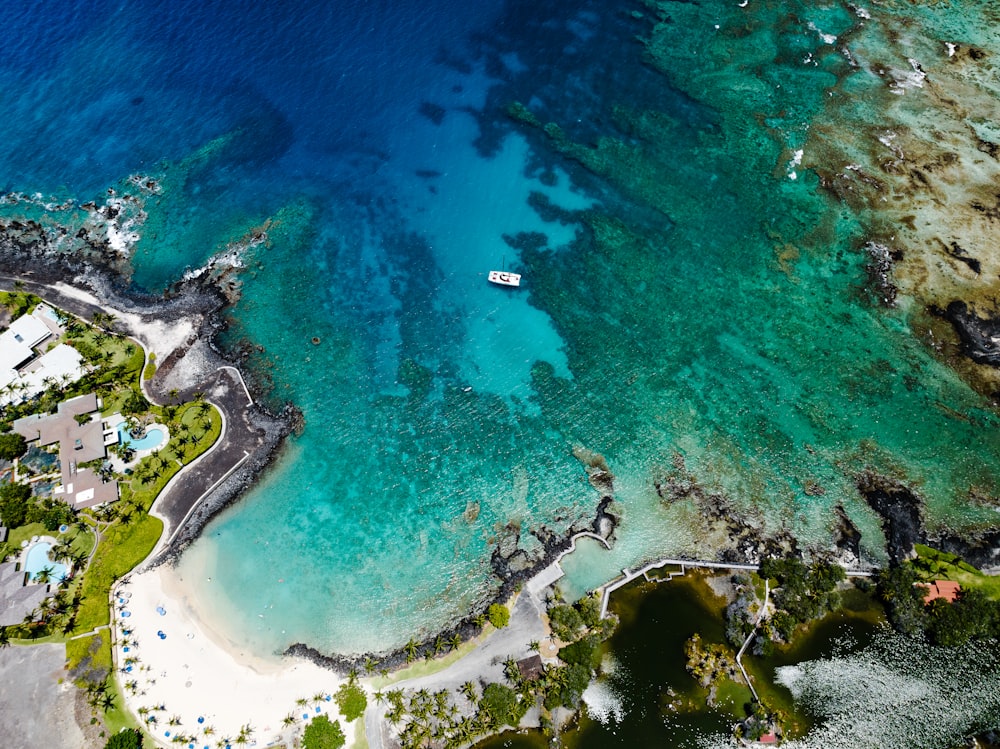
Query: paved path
[482,666]
[239,439]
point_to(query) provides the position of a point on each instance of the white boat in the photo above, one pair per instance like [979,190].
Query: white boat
[504,278]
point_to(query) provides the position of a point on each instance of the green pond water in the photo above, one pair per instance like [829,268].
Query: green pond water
[650,700]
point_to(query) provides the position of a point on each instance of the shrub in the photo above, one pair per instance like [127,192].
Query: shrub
[502,704]
[12,445]
[585,652]
[322,733]
[499,615]
[565,621]
[128,738]
[351,700]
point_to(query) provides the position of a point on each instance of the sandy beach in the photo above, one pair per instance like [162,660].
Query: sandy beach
[200,686]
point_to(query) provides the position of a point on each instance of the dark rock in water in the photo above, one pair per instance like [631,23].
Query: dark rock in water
[433,112]
[900,509]
[846,534]
[980,336]
[981,550]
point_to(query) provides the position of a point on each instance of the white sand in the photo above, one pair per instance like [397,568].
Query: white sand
[195,673]
[160,336]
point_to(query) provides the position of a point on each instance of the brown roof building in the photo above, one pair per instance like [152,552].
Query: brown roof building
[946,589]
[531,667]
[78,443]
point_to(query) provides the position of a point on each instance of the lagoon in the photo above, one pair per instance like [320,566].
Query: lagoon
[695,307]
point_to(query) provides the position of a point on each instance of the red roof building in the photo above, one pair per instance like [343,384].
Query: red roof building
[946,589]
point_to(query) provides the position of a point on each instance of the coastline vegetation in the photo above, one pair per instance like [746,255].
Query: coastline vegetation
[103,543]
[974,614]
[476,710]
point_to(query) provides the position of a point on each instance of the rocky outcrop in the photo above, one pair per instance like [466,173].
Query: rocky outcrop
[901,511]
[980,336]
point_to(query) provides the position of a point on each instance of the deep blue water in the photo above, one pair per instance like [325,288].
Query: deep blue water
[683,293]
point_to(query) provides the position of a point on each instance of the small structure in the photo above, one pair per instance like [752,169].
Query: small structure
[946,589]
[768,738]
[531,667]
[17,598]
[78,443]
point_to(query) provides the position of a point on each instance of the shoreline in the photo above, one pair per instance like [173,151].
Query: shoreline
[189,360]
[181,662]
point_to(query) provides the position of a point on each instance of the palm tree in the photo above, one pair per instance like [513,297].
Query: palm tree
[511,671]
[106,701]
[44,575]
[411,650]
[469,690]
[438,645]
[456,641]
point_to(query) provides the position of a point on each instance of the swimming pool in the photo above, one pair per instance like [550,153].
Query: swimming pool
[152,440]
[37,558]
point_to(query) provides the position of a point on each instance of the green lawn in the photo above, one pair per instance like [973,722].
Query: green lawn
[940,565]
[121,549]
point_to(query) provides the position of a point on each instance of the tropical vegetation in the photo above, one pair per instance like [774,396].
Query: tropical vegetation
[322,733]
[103,543]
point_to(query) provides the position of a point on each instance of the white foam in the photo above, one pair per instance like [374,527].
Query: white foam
[603,705]
[796,160]
[827,38]
[906,79]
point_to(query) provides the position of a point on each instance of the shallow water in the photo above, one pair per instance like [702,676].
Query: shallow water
[682,292]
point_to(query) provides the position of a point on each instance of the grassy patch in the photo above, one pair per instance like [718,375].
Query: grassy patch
[360,738]
[424,667]
[940,565]
[121,549]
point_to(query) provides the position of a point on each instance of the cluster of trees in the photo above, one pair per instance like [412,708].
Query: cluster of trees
[804,592]
[711,661]
[19,507]
[323,733]
[436,719]
[971,616]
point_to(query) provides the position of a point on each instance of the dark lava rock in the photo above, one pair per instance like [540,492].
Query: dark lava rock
[846,534]
[980,336]
[900,509]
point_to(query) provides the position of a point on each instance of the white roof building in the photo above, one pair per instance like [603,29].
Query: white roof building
[24,374]
[18,341]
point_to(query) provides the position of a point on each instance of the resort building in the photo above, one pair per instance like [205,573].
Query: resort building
[27,368]
[78,444]
[946,589]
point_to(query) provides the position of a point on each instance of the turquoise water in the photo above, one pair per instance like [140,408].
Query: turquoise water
[37,558]
[152,440]
[682,293]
